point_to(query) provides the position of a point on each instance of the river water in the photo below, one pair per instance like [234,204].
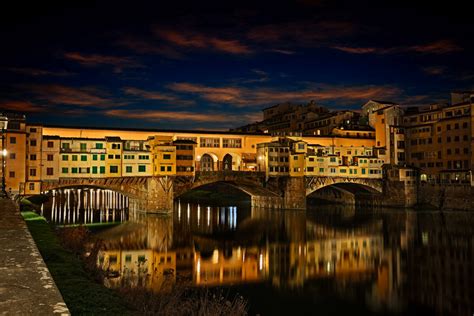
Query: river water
[325,260]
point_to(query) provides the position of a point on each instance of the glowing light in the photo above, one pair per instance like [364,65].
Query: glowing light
[215,256]
[4,153]
[260,262]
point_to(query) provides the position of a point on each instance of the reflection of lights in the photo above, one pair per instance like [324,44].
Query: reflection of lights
[424,238]
[208,216]
[260,262]
[198,266]
[179,211]
[4,153]
[198,157]
[215,256]
[328,267]
[199,214]
[188,212]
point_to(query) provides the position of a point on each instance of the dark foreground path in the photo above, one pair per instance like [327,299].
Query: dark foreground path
[26,286]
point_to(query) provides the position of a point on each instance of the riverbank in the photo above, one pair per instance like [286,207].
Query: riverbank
[26,285]
[82,294]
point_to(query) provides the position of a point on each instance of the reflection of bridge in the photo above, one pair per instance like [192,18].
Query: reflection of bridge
[155,194]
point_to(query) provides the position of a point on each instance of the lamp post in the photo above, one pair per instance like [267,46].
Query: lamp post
[3,126]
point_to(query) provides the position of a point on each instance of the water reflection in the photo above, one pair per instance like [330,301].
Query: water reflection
[393,261]
[85,206]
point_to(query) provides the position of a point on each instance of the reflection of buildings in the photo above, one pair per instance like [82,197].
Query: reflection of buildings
[440,262]
[391,262]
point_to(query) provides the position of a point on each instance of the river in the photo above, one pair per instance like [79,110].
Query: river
[329,259]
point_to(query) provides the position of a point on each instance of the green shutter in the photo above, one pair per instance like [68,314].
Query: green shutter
[65,170]
[74,170]
[94,157]
[102,169]
[94,170]
[102,157]
[141,168]
[83,158]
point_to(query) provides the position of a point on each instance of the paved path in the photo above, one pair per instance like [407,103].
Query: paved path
[26,286]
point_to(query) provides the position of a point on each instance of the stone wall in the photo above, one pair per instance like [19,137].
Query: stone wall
[446,197]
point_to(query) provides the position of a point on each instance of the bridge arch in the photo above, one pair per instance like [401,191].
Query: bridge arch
[314,184]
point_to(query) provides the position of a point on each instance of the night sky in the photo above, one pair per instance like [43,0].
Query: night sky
[198,65]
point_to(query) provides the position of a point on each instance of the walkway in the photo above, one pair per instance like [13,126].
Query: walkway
[26,286]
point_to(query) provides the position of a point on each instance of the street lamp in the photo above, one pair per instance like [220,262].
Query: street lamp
[3,126]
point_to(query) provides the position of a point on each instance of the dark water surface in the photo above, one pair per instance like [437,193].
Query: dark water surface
[326,260]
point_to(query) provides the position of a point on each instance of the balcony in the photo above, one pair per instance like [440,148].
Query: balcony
[98,151]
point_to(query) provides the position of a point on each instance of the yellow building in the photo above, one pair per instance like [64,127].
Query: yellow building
[113,162]
[164,156]
[33,159]
[185,157]
[137,159]
[15,159]
[50,158]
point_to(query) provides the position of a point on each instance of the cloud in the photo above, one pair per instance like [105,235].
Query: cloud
[36,72]
[156,95]
[119,63]
[21,106]
[195,40]
[434,70]
[65,95]
[306,33]
[438,48]
[146,47]
[243,97]
[159,115]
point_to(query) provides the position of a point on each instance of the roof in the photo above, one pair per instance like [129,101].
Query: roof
[112,139]
[148,130]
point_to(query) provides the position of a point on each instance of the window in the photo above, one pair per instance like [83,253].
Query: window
[439,128]
[102,169]
[33,157]
[166,156]
[117,156]
[74,170]
[49,171]
[231,143]
[128,169]
[99,146]
[448,127]
[113,169]
[50,157]
[32,186]
[50,144]
[94,157]
[363,170]
[128,258]
[321,170]
[295,157]
[32,172]
[83,158]
[449,151]
[12,156]
[210,142]
[141,168]
[65,145]
[115,146]
[65,170]
[102,157]
[162,168]
[464,125]
[332,159]
[301,146]
[111,156]
[65,157]
[74,157]
[94,170]
[83,146]
[12,174]
[32,130]
[168,168]
[12,140]
[33,142]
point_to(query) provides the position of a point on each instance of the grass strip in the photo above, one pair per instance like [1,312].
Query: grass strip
[82,294]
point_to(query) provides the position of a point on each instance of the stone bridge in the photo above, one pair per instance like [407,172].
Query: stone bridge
[156,194]
[313,184]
